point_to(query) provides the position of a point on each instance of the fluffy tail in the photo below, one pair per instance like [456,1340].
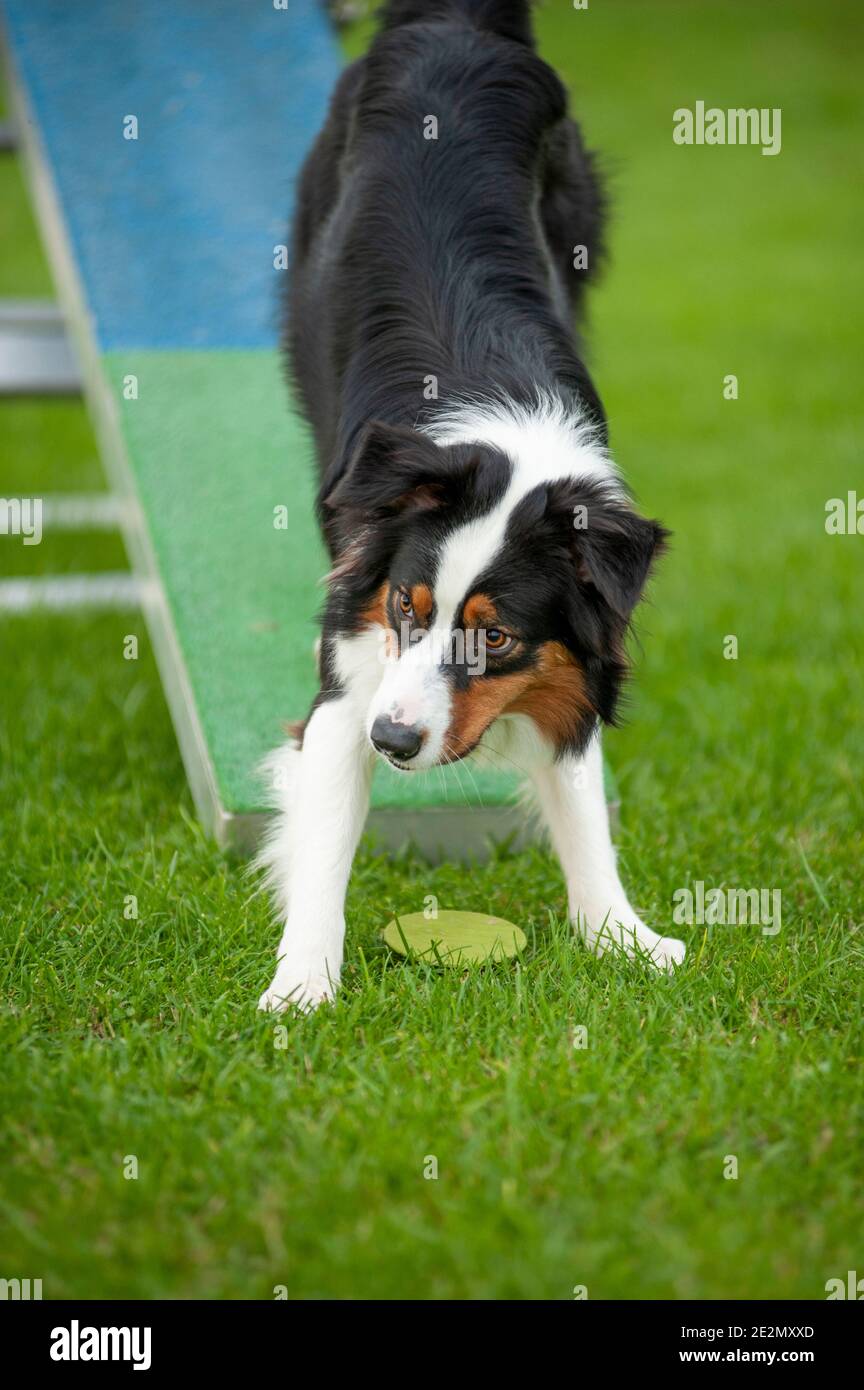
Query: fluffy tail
[509,18]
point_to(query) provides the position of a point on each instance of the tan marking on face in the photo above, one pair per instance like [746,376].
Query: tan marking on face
[480,705]
[422,599]
[480,612]
[378,611]
[556,699]
[552,693]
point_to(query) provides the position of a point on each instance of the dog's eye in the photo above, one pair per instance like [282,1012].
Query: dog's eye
[496,640]
[406,607]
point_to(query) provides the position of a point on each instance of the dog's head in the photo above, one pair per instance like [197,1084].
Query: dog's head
[489,591]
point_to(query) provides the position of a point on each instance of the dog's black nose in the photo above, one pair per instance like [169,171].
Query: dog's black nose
[403,741]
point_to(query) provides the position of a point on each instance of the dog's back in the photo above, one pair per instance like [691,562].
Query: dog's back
[509,19]
[437,217]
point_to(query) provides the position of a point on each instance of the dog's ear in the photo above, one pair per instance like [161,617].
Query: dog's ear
[392,469]
[616,556]
[614,548]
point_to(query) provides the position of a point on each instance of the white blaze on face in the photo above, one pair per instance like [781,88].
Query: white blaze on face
[415,691]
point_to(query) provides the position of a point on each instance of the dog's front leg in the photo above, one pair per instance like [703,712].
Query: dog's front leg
[310,853]
[573,802]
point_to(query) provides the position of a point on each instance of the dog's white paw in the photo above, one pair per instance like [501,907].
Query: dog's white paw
[668,953]
[300,988]
[626,934]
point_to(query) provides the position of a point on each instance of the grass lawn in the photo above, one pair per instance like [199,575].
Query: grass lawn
[294,1155]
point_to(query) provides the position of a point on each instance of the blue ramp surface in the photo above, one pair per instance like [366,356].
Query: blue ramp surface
[174,232]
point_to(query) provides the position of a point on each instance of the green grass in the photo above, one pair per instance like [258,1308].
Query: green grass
[64,552]
[275,1153]
[47,445]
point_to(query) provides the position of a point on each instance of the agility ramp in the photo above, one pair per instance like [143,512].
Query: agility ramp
[162,143]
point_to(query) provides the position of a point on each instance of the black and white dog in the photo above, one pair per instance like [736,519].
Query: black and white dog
[486,556]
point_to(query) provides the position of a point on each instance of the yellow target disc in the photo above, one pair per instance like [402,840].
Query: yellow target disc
[454,938]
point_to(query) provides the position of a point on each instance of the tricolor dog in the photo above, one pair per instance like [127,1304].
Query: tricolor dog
[486,555]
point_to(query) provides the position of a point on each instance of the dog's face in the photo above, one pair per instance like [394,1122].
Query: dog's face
[488,593]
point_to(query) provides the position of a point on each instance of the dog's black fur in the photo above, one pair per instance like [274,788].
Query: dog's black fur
[453,258]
